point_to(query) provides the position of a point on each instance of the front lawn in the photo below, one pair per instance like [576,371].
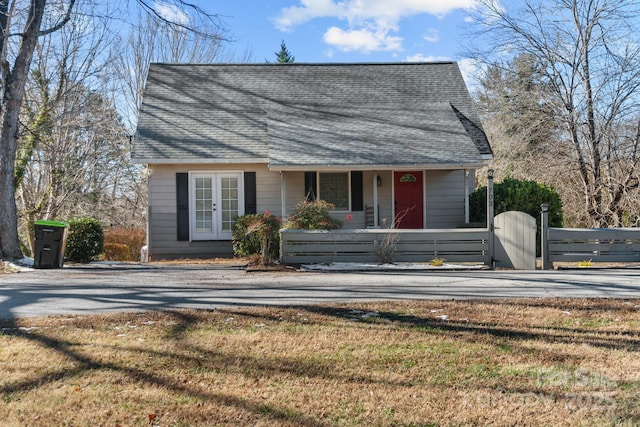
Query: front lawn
[518,362]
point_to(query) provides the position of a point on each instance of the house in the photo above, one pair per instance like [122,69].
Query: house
[386,143]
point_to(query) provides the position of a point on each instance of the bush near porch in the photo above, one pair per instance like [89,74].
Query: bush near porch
[257,235]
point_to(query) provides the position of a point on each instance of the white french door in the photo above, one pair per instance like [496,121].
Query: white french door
[215,204]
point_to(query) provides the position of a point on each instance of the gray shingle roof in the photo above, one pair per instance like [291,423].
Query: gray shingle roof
[298,115]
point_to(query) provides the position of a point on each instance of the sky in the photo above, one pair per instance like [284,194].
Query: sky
[321,31]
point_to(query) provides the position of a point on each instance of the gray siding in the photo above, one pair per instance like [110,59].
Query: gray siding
[445,198]
[445,202]
[162,233]
[294,184]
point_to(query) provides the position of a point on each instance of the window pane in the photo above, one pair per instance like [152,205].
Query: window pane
[228,202]
[334,188]
[203,221]
[203,202]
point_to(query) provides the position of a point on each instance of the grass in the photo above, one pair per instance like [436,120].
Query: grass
[7,268]
[441,363]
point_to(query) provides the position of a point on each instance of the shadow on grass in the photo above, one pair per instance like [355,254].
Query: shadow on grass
[609,339]
[84,364]
[192,356]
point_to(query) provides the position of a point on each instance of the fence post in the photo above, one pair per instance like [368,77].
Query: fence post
[281,250]
[544,236]
[490,219]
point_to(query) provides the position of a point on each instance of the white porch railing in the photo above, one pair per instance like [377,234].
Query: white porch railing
[378,245]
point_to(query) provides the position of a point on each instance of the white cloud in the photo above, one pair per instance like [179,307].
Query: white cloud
[308,10]
[422,58]
[362,40]
[172,13]
[471,70]
[432,35]
[368,22]
[383,12]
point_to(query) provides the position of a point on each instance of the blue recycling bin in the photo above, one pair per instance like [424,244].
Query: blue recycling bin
[51,238]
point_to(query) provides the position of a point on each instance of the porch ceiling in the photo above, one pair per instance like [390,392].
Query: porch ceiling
[369,136]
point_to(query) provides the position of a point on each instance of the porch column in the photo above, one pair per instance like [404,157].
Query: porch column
[466,196]
[283,196]
[375,200]
[544,236]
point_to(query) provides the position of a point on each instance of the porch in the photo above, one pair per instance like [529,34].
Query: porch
[384,198]
[391,243]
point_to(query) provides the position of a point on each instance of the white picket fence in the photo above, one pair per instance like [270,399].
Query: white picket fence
[378,245]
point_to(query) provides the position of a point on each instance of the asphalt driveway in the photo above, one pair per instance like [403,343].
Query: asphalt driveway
[100,288]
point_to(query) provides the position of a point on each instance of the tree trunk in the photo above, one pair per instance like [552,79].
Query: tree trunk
[13,92]
[9,245]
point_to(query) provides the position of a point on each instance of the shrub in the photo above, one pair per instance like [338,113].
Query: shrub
[257,234]
[115,251]
[313,215]
[517,195]
[84,240]
[133,239]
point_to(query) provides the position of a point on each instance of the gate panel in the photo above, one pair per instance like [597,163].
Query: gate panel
[515,241]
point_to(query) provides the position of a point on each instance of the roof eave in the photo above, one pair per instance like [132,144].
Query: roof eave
[197,160]
[380,167]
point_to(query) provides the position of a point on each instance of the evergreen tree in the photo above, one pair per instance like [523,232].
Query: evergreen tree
[283,56]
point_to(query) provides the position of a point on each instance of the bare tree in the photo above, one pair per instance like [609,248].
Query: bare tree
[590,53]
[22,22]
[149,40]
[516,106]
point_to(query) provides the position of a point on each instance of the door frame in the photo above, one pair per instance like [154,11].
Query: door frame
[424,193]
[217,234]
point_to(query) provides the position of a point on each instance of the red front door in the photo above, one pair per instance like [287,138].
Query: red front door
[409,195]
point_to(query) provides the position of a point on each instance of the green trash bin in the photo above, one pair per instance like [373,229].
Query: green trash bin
[51,238]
